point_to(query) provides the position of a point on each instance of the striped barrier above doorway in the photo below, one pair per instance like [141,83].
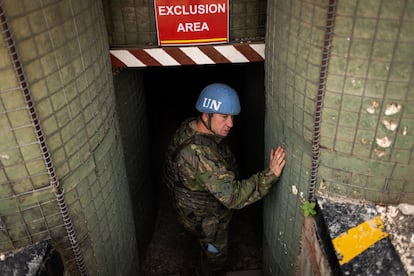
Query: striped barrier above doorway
[193,55]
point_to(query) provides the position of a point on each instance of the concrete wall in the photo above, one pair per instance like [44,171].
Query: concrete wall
[64,54]
[370,69]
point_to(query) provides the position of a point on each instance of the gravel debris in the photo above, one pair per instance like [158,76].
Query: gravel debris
[399,223]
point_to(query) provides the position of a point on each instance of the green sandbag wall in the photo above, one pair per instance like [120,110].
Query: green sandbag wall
[132,23]
[63,49]
[370,73]
[100,154]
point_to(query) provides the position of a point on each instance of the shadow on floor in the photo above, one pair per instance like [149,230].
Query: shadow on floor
[170,251]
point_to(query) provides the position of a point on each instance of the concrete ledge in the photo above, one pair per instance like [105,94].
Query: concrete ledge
[359,240]
[39,259]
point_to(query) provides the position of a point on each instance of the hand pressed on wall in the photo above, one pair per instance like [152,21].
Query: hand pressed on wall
[277,160]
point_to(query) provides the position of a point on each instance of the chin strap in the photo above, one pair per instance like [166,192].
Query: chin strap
[209,122]
[208,126]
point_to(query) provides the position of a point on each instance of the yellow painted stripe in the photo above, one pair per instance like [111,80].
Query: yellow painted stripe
[358,239]
[195,40]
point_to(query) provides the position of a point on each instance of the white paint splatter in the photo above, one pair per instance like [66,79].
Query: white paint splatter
[294,190]
[390,125]
[392,109]
[406,209]
[384,142]
[356,83]
[4,156]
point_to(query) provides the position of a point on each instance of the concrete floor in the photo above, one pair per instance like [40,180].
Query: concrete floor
[171,253]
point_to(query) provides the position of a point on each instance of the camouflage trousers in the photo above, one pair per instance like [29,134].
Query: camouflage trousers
[211,233]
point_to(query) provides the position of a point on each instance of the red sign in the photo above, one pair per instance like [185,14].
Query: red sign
[192,22]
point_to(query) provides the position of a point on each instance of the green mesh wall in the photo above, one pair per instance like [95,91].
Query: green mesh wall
[132,23]
[133,117]
[367,151]
[370,70]
[293,53]
[64,53]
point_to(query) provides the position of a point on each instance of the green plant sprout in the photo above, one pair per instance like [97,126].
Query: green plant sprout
[309,208]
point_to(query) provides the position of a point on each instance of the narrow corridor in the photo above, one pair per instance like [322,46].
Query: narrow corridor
[170,251]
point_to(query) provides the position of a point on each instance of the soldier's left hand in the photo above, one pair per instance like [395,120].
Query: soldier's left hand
[277,160]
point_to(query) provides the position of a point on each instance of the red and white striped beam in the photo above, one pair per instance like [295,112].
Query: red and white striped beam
[193,55]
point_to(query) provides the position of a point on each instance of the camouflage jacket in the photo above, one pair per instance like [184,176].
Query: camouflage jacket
[204,164]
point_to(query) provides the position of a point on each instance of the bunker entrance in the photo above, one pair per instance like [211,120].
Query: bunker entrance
[171,94]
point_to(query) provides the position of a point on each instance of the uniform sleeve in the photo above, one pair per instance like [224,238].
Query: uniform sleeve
[203,168]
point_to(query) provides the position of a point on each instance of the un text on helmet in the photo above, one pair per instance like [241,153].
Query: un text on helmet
[211,104]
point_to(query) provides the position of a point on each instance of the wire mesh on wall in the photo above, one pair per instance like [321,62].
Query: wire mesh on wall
[367,121]
[59,134]
[132,23]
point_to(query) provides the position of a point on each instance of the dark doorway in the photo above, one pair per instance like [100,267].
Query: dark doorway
[171,95]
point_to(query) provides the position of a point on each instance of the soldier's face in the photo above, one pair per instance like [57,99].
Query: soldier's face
[221,124]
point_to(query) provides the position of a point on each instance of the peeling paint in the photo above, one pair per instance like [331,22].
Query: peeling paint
[384,142]
[373,107]
[390,125]
[392,109]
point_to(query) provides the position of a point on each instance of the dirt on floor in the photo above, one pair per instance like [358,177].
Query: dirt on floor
[399,223]
[171,252]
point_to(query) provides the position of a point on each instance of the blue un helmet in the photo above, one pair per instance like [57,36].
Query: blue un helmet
[218,98]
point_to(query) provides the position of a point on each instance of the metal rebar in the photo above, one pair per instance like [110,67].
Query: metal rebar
[323,75]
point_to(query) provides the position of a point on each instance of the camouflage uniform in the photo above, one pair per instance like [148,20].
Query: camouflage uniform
[201,173]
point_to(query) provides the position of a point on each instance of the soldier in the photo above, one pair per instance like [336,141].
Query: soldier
[201,174]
